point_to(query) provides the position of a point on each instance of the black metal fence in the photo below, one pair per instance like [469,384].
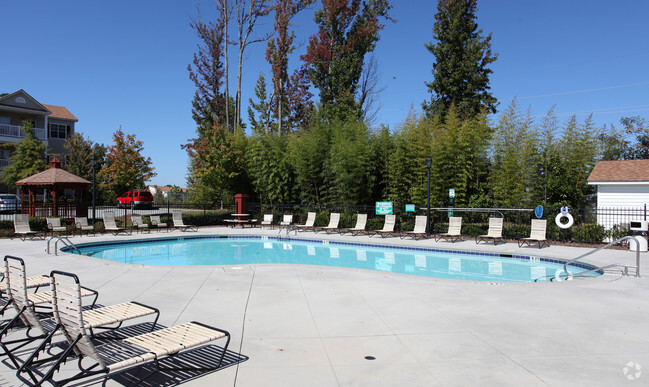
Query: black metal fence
[590,225]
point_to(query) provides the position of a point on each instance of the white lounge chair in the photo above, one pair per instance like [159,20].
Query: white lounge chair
[111,226]
[361,221]
[454,230]
[24,304]
[419,231]
[177,217]
[118,354]
[388,227]
[537,234]
[495,231]
[139,224]
[81,224]
[267,221]
[54,225]
[308,225]
[157,223]
[22,229]
[334,220]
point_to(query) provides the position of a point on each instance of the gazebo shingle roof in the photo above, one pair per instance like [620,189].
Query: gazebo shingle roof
[54,176]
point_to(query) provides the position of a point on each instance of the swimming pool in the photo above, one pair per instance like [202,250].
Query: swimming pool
[246,250]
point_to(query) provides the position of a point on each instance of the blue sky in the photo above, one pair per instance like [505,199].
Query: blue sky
[125,62]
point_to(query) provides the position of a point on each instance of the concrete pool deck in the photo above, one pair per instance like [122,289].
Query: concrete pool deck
[315,326]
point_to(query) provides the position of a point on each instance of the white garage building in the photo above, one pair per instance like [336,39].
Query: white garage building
[622,191]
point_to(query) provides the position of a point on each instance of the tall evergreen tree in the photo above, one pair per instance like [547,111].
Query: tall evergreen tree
[461,75]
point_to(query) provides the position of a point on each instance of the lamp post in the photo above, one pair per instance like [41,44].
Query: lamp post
[429,162]
[94,165]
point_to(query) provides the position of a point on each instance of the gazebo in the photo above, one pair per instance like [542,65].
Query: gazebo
[55,180]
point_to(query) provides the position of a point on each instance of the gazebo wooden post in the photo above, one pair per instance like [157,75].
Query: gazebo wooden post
[55,211]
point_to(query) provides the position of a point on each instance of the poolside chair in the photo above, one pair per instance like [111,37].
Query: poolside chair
[30,283]
[454,230]
[22,229]
[139,223]
[308,225]
[361,221]
[388,227]
[25,306]
[419,231]
[495,231]
[111,226]
[267,221]
[177,217]
[81,224]
[334,220]
[157,223]
[118,354]
[537,234]
[54,225]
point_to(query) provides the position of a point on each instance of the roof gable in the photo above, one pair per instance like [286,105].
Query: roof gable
[21,100]
[61,112]
[620,171]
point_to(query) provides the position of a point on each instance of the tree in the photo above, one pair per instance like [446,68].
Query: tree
[513,155]
[126,168]
[461,75]
[225,11]
[640,128]
[369,91]
[209,104]
[260,124]
[27,159]
[78,161]
[277,55]
[347,31]
[246,20]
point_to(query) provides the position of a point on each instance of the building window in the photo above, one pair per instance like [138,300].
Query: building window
[60,131]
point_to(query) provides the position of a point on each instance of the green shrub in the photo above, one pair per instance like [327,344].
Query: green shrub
[517,231]
[590,233]
[618,232]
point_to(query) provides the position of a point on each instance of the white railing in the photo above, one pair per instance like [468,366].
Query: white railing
[18,132]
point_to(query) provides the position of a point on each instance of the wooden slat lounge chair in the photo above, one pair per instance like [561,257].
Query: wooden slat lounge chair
[419,231]
[22,229]
[308,225]
[81,224]
[177,217]
[334,220]
[111,226]
[139,224]
[118,354]
[54,225]
[267,221]
[495,231]
[388,227]
[361,221]
[537,234]
[157,223]
[24,304]
[454,230]
[31,283]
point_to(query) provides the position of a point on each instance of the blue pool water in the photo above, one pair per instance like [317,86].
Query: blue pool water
[268,250]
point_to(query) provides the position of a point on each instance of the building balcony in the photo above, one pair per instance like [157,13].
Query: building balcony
[17,132]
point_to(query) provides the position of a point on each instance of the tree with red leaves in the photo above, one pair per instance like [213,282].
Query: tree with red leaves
[348,30]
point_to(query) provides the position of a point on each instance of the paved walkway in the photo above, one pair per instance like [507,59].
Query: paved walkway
[316,326]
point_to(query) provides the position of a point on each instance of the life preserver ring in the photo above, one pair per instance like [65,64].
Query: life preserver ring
[557,220]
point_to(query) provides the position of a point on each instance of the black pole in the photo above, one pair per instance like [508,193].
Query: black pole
[428,164]
[94,162]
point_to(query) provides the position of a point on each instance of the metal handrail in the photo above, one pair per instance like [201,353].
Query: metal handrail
[65,240]
[637,255]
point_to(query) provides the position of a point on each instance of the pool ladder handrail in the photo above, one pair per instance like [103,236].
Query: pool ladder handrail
[626,267]
[63,239]
[289,228]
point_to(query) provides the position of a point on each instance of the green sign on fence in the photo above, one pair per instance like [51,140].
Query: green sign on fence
[410,208]
[383,208]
